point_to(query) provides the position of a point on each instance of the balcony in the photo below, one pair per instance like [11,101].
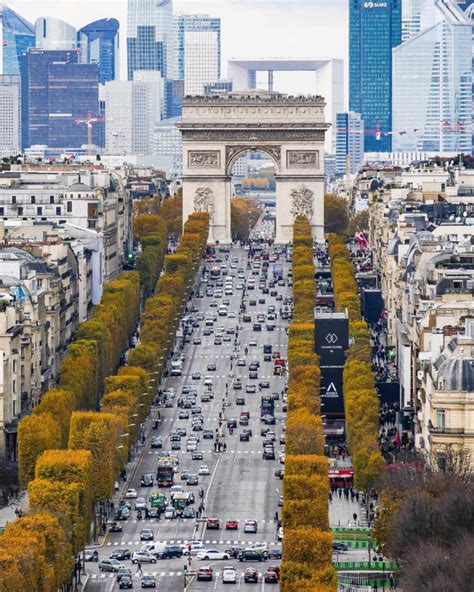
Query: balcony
[445,431]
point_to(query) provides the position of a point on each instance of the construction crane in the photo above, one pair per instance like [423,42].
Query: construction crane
[89,122]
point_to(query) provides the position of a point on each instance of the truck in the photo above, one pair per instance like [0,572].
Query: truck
[277,271]
[165,473]
[176,367]
[158,500]
[279,366]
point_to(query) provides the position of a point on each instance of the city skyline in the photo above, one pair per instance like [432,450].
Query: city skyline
[267,23]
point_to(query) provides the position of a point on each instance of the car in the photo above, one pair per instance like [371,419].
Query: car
[251,388]
[271,435]
[125,582]
[251,555]
[123,572]
[250,526]
[140,503]
[244,436]
[274,553]
[217,340]
[170,513]
[153,513]
[212,554]
[229,575]
[260,547]
[243,420]
[339,547]
[264,384]
[211,367]
[91,555]
[251,575]
[110,565]
[189,512]
[253,343]
[241,362]
[270,576]
[122,514]
[237,384]
[115,527]
[204,470]
[143,557]
[192,548]
[148,581]
[213,524]
[231,423]
[192,479]
[232,525]
[131,493]
[268,419]
[234,551]
[197,341]
[253,375]
[197,427]
[156,441]
[207,331]
[197,455]
[176,445]
[208,435]
[240,401]
[280,501]
[196,410]
[204,574]
[248,431]
[146,534]
[280,533]
[196,376]
[171,552]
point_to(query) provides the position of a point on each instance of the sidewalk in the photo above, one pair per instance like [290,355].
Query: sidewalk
[7,513]
[341,512]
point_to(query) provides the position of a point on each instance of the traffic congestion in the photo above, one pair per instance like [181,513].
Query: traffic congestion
[202,505]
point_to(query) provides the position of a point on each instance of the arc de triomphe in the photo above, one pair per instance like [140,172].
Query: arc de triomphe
[217,130]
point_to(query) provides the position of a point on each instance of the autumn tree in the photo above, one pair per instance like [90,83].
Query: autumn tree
[336,217]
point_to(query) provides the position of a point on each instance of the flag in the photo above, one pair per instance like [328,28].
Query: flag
[398,440]
[360,236]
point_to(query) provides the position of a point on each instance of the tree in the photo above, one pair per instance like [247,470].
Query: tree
[36,433]
[359,222]
[304,433]
[309,546]
[336,218]
[59,404]
[306,465]
[244,215]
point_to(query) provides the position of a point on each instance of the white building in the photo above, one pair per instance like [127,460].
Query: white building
[328,82]
[132,109]
[54,34]
[10,116]
[432,83]
[198,51]
[168,148]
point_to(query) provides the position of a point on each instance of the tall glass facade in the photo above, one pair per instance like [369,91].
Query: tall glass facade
[432,85]
[150,44]
[57,91]
[98,43]
[53,34]
[16,36]
[349,143]
[374,29]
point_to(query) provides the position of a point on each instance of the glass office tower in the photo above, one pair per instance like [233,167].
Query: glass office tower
[98,43]
[374,29]
[16,36]
[150,44]
[53,34]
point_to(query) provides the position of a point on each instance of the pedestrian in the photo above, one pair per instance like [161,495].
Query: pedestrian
[139,568]
[330,496]
[340,492]
[276,517]
[225,446]
[355,517]
[215,446]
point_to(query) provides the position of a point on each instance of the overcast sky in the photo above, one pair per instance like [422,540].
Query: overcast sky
[250,28]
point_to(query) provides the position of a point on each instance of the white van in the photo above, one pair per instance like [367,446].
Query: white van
[155,548]
[176,368]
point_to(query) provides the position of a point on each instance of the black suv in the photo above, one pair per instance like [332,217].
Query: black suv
[171,552]
[251,555]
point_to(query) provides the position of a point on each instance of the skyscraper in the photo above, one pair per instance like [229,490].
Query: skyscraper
[374,29]
[349,143]
[10,115]
[56,92]
[198,51]
[54,34]
[150,44]
[432,84]
[99,44]
[16,36]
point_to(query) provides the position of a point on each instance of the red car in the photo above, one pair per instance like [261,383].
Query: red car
[272,575]
[232,525]
[204,574]
[213,524]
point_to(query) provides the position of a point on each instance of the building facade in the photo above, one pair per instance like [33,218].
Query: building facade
[16,36]
[150,43]
[10,115]
[349,143]
[98,43]
[374,30]
[198,51]
[53,34]
[168,147]
[56,92]
[440,120]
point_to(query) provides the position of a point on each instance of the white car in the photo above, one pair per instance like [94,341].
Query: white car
[131,493]
[212,554]
[280,533]
[231,315]
[143,557]
[204,470]
[252,342]
[260,547]
[229,576]
[208,380]
[140,503]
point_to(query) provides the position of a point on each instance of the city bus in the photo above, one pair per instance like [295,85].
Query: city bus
[267,405]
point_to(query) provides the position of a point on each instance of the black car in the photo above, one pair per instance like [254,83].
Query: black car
[233,551]
[115,527]
[171,552]
[153,512]
[231,423]
[251,575]
[244,437]
[251,555]
[269,453]
[275,553]
[188,512]
[240,401]
[147,480]
[340,547]
[197,455]
[264,384]
[121,554]
[208,435]
[123,572]
[126,582]
[268,420]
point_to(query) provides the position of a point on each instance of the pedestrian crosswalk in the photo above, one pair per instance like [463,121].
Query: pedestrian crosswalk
[156,574]
[126,543]
[212,451]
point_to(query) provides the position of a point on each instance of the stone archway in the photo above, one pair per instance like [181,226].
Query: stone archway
[216,130]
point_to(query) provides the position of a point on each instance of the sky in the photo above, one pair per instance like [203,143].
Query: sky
[250,28]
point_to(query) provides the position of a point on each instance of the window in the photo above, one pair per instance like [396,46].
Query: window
[40,211]
[58,211]
[51,199]
[441,418]
[69,206]
[33,199]
[20,211]
[2,211]
[13,199]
